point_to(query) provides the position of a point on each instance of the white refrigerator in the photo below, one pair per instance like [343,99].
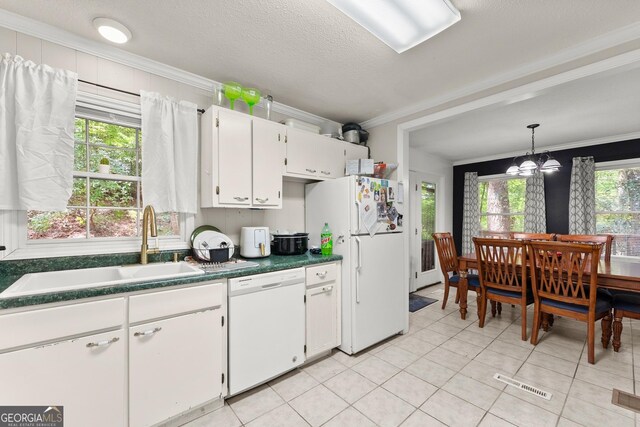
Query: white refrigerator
[366,221]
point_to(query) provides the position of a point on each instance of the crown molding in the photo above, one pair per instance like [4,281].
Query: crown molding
[65,38]
[603,42]
[570,145]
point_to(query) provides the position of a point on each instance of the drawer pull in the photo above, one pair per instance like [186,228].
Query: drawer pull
[146,333]
[325,173]
[327,288]
[322,275]
[103,343]
[310,170]
[262,200]
[241,199]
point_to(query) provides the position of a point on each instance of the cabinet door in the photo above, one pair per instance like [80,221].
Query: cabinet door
[331,158]
[322,318]
[268,158]
[174,365]
[234,158]
[88,381]
[302,152]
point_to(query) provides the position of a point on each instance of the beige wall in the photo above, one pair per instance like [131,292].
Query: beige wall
[109,73]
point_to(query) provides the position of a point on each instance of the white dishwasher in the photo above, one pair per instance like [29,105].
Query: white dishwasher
[266,327]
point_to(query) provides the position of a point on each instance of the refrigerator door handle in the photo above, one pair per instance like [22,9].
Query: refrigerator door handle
[358,215]
[358,271]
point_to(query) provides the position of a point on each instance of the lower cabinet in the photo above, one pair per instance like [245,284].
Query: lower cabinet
[85,376]
[323,308]
[174,365]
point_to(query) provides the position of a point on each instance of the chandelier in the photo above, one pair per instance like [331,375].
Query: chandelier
[533,163]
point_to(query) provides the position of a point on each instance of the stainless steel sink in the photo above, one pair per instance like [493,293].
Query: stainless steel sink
[65,280]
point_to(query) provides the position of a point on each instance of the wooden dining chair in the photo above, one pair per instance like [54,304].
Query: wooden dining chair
[503,277]
[624,304]
[448,258]
[565,282]
[533,236]
[605,239]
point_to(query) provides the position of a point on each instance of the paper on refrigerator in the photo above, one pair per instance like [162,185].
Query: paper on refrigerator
[369,217]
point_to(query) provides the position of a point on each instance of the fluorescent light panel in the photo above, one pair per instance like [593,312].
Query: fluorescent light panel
[401,24]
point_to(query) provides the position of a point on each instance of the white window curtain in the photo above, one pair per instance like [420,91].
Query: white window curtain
[470,212]
[37,111]
[582,196]
[169,153]
[535,213]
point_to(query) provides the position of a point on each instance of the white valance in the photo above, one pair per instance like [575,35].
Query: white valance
[37,111]
[169,153]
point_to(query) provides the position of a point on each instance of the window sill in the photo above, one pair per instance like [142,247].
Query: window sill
[54,249]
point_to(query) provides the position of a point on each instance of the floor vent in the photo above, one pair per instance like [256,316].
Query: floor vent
[626,400]
[522,386]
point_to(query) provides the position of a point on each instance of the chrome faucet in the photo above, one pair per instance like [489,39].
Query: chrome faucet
[148,220]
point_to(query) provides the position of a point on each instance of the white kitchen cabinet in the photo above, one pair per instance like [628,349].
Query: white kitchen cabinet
[268,160]
[330,158]
[85,375]
[322,308]
[315,156]
[303,150]
[225,159]
[354,152]
[241,160]
[176,363]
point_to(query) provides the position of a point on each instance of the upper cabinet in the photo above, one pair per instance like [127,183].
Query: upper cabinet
[314,156]
[244,158]
[268,159]
[240,160]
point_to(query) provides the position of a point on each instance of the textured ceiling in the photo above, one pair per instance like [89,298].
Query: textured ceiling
[594,107]
[311,56]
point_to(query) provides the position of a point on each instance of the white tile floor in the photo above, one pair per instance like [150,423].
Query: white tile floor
[441,373]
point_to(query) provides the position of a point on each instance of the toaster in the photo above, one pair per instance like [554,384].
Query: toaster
[255,242]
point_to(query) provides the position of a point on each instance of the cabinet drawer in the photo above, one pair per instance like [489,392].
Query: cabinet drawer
[49,324]
[169,303]
[321,274]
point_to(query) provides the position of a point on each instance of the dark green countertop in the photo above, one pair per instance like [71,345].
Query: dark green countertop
[10,271]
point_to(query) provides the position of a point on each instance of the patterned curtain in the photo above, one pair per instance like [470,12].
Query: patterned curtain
[582,196]
[535,212]
[470,212]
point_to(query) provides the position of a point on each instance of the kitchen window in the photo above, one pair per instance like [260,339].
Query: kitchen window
[107,204]
[104,213]
[501,204]
[617,188]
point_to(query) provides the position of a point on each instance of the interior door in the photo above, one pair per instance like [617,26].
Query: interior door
[379,304]
[425,206]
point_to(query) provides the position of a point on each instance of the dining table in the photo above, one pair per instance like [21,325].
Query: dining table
[615,274]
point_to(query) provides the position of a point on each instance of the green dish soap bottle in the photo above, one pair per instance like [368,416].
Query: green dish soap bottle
[326,241]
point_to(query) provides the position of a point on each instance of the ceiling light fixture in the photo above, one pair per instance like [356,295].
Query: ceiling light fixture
[112,30]
[533,163]
[401,24]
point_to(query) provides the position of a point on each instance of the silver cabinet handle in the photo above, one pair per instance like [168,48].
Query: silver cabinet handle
[262,200]
[321,275]
[146,333]
[327,289]
[241,199]
[310,170]
[103,343]
[325,173]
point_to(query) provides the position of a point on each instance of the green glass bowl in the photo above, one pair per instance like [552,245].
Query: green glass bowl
[251,96]
[232,91]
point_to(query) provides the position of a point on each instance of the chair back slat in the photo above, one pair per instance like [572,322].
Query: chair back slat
[606,239]
[565,272]
[447,253]
[500,264]
[533,236]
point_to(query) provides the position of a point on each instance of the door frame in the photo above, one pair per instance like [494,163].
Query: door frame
[418,279]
